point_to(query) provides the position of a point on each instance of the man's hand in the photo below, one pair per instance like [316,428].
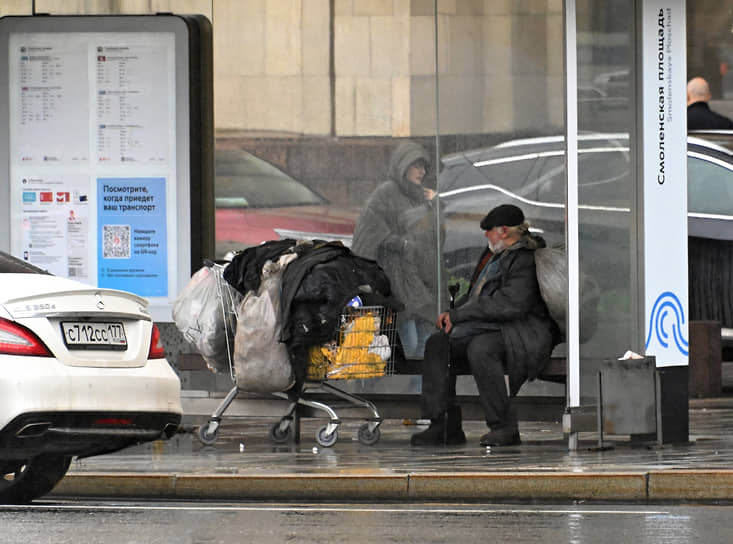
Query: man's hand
[429,193]
[444,322]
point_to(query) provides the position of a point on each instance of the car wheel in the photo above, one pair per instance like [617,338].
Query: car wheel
[25,480]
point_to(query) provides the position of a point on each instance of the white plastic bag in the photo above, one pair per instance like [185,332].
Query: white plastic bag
[261,361]
[552,275]
[204,312]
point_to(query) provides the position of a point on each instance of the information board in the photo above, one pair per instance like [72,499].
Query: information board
[664,159]
[96,117]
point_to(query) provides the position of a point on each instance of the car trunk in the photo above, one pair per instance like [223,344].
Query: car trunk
[80,326]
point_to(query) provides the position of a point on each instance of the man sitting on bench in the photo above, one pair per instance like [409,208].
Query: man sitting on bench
[501,327]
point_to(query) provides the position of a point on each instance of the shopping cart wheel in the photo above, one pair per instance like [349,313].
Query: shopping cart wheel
[207,435]
[324,439]
[368,437]
[279,435]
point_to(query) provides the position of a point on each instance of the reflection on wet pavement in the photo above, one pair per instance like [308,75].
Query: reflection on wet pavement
[244,447]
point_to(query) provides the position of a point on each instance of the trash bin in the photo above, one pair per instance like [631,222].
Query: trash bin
[647,403]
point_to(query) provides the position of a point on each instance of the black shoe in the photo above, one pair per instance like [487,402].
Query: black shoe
[506,436]
[436,434]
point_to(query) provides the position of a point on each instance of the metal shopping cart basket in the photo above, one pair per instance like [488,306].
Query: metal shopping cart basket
[364,349]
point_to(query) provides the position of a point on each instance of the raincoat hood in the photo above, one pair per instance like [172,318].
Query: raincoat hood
[402,157]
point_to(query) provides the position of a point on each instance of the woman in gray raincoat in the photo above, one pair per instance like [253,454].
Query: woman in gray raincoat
[398,229]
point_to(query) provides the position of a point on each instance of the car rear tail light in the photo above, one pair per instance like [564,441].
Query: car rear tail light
[113,421]
[157,351]
[15,339]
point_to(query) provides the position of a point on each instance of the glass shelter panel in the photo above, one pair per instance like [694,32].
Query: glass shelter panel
[513,88]
[326,130]
[393,127]
[500,131]
[313,99]
[605,182]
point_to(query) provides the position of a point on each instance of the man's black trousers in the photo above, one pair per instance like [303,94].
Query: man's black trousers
[481,355]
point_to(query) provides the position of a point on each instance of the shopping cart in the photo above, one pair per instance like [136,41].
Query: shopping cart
[364,349]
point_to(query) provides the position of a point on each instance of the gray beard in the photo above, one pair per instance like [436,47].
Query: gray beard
[499,247]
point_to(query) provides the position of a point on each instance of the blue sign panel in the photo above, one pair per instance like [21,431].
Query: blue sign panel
[131,235]
[662,330]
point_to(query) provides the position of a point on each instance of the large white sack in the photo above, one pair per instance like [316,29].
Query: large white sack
[261,361]
[204,312]
[552,275]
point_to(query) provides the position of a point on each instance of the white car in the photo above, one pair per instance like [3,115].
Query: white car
[83,373]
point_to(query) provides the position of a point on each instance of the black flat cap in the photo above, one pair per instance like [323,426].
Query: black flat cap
[506,215]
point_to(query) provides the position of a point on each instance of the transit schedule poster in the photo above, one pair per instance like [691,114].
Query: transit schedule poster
[131,235]
[55,223]
[92,155]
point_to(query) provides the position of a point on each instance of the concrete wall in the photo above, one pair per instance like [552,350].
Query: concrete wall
[368,67]
[272,65]
[105,7]
[273,69]
[490,77]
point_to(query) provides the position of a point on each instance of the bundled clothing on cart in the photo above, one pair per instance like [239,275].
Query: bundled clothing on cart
[316,283]
[244,273]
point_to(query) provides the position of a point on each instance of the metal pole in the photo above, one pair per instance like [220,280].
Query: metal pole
[439,264]
[571,157]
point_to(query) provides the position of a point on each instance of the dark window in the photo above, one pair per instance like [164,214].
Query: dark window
[603,178]
[246,181]
[509,173]
[13,265]
[709,187]
[471,189]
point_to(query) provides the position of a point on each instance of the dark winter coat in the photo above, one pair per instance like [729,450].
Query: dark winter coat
[398,229]
[510,299]
[244,272]
[317,286]
[701,117]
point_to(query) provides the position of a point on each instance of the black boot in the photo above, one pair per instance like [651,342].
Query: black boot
[455,434]
[505,433]
[501,436]
[444,430]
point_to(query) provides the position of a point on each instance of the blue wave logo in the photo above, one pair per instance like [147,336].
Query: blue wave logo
[668,302]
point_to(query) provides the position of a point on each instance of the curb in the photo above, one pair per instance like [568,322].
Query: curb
[701,485]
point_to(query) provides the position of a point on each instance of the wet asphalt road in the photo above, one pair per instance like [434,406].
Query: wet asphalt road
[121,522]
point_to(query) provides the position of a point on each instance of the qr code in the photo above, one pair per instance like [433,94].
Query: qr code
[116,242]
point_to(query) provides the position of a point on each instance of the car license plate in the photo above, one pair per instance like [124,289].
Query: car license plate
[94,335]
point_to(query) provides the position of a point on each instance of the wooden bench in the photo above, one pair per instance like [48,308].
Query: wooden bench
[555,371]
